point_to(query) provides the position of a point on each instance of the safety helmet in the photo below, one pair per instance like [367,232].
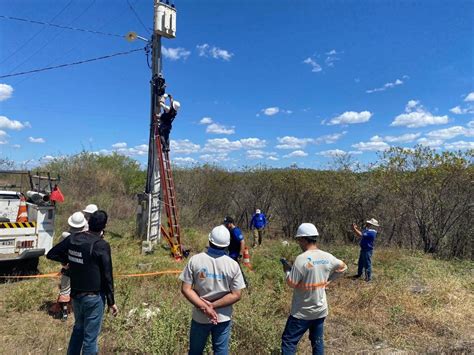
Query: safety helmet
[220,236]
[307,230]
[90,208]
[77,220]
[176,105]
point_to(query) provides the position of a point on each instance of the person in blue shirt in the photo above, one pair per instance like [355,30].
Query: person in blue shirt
[367,235]
[237,242]
[257,225]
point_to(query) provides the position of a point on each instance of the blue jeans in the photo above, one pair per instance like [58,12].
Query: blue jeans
[88,312]
[294,331]
[220,334]
[365,262]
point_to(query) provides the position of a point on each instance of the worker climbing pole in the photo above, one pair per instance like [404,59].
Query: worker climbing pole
[159,190]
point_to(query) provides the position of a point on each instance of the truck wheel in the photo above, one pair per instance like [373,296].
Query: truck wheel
[26,267]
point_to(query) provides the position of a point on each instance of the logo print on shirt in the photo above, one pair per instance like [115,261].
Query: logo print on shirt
[311,263]
[204,274]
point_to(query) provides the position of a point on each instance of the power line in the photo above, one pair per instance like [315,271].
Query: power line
[71,64]
[37,33]
[60,26]
[53,38]
[138,17]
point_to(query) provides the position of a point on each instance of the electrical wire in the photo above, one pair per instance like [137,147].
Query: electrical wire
[60,26]
[70,64]
[138,17]
[53,38]
[37,33]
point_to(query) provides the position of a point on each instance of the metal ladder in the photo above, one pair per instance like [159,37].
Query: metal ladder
[171,232]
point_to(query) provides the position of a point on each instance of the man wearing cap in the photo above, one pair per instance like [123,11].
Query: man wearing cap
[90,267]
[89,210]
[166,120]
[257,225]
[212,283]
[76,223]
[237,242]
[311,272]
[367,235]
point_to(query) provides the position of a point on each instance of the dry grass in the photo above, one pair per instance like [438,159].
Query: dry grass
[384,316]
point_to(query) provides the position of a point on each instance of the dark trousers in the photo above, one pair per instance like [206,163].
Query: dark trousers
[165,137]
[365,262]
[294,331]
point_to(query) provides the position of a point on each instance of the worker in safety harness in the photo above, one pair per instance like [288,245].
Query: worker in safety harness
[90,269]
[166,119]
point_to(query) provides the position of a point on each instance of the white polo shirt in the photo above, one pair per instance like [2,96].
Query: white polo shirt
[309,277]
[213,274]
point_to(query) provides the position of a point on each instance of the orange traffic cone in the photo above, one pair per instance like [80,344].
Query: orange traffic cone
[246,258]
[22,211]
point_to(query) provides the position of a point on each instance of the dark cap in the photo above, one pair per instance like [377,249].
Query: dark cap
[228,220]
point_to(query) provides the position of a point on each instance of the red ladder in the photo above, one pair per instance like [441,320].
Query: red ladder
[172,231]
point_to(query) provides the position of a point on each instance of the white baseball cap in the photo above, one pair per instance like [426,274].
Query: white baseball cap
[77,220]
[90,208]
[258,211]
[373,222]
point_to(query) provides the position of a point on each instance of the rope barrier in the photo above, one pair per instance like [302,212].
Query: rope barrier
[57,274]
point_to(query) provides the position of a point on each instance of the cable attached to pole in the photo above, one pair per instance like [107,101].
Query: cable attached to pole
[71,64]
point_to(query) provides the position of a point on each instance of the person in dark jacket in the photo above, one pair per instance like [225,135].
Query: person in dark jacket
[257,225]
[166,120]
[90,270]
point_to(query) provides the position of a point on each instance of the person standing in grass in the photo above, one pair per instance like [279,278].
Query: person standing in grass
[367,235]
[90,269]
[237,241]
[257,225]
[312,271]
[212,282]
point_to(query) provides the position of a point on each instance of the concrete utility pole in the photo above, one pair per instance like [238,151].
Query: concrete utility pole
[149,209]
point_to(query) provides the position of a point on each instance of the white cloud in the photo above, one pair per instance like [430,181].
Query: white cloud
[331,52]
[253,143]
[329,138]
[184,161]
[351,117]
[260,154]
[184,146]
[289,142]
[404,138]
[214,158]
[451,132]
[36,140]
[219,129]
[273,158]
[460,145]
[461,111]
[6,92]
[470,124]
[221,145]
[432,143]
[332,153]
[469,97]
[270,111]
[296,154]
[6,123]
[175,53]
[376,143]
[16,146]
[205,120]
[205,50]
[315,67]
[417,116]
[47,158]
[3,137]
[386,86]
[119,145]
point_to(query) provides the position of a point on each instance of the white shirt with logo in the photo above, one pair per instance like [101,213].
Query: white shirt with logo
[213,275]
[309,277]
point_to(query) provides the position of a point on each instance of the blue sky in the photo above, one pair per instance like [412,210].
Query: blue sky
[260,82]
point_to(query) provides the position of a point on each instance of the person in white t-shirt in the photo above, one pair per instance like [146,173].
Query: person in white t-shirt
[212,283]
[311,272]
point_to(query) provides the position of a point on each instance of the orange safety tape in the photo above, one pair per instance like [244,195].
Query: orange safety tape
[56,274]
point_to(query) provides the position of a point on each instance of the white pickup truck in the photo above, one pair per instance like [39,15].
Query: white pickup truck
[22,243]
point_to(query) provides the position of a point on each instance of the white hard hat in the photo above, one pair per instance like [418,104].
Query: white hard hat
[90,208]
[373,222]
[258,211]
[77,220]
[176,105]
[220,236]
[306,230]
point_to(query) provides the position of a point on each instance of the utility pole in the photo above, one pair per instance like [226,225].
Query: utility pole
[149,209]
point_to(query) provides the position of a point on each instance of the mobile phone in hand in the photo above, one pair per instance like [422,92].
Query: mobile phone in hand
[285,263]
